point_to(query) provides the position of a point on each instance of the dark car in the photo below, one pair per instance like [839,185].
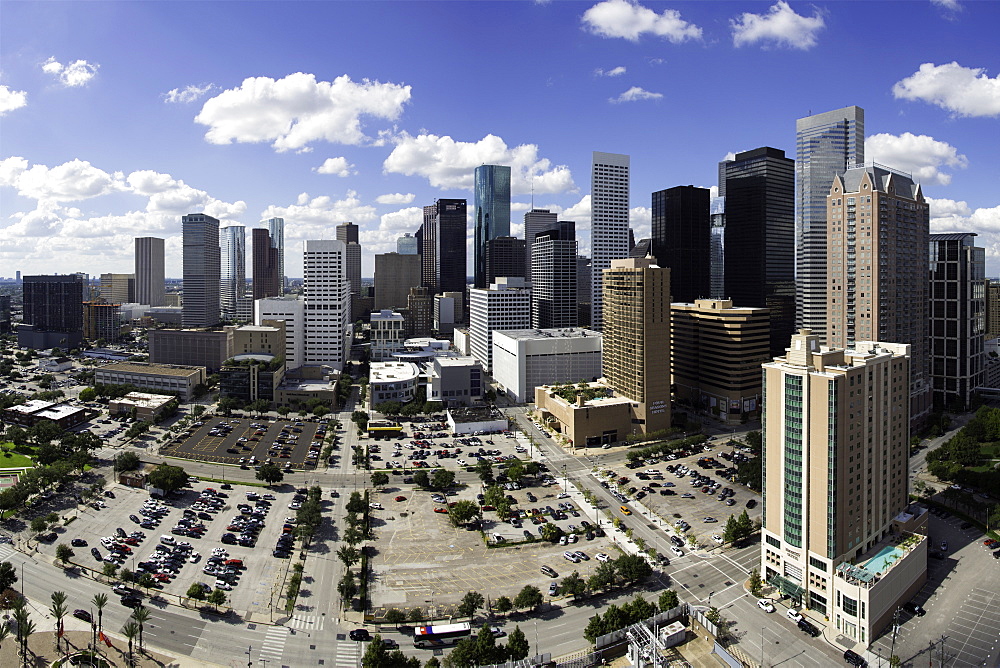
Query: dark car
[97,553]
[131,601]
[752,503]
[78,542]
[84,615]
[855,659]
[914,609]
[360,635]
[808,628]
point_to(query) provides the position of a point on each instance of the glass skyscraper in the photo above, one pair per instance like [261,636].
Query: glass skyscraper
[234,267]
[826,145]
[276,229]
[492,213]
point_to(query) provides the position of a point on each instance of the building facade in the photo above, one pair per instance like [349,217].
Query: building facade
[528,358]
[506,304]
[191,347]
[290,311]
[348,233]
[535,221]
[395,274]
[178,379]
[276,232]
[609,223]
[407,245]
[554,299]
[838,535]
[450,254]
[266,272]
[427,244]
[681,240]
[717,247]
[102,321]
[233,285]
[327,303]
[52,311]
[491,215]
[118,288]
[957,318]
[149,271]
[388,332]
[992,309]
[419,312]
[504,256]
[825,146]
[202,270]
[760,223]
[877,268]
[716,351]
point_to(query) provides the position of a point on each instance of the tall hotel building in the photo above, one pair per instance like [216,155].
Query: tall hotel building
[492,215]
[838,534]
[233,284]
[202,270]
[327,315]
[609,236]
[825,145]
[276,231]
[149,271]
[877,268]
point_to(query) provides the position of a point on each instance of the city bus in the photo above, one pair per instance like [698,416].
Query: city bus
[440,634]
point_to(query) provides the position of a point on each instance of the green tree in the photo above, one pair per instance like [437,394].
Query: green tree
[422,479]
[638,609]
[354,536]
[730,533]
[528,598]
[416,615]
[347,588]
[39,524]
[755,583]
[110,569]
[380,479]
[503,605]
[573,584]
[131,631]
[270,474]
[551,532]
[516,470]
[58,612]
[349,555]
[87,394]
[471,602]
[168,478]
[517,645]
[484,469]
[126,461]
[442,479]
[100,601]
[376,654]
[487,651]
[668,600]
[632,567]
[395,617]
[463,511]
[594,629]
[713,615]
[356,504]
[141,615]
[217,598]
[64,552]
[196,591]
[603,577]
[744,526]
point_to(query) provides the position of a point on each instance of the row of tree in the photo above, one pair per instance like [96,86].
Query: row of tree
[617,617]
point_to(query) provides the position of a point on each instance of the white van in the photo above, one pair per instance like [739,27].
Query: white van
[167,540]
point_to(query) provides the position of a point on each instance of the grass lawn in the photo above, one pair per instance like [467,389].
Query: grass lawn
[10,460]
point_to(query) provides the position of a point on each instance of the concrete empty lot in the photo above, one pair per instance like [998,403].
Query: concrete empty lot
[423,558]
[201,445]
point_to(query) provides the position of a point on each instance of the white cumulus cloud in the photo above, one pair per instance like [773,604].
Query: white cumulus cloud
[395,198]
[921,155]
[69,182]
[630,20]
[336,166]
[11,99]
[187,94]
[315,216]
[950,5]
[780,25]
[76,73]
[297,110]
[613,72]
[964,91]
[635,94]
[447,163]
[949,216]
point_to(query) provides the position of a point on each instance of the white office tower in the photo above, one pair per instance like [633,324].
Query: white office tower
[291,311]
[535,221]
[826,145]
[232,287]
[506,304]
[609,188]
[276,230]
[327,303]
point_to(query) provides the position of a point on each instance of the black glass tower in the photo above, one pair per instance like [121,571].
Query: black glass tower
[682,240]
[450,254]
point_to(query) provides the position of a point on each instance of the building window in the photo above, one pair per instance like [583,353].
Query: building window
[771,540]
[817,563]
[850,606]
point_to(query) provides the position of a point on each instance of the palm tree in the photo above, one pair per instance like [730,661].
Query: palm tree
[25,627]
[141,616]
[100,601]
[4,632]
[130,631]
[58,611]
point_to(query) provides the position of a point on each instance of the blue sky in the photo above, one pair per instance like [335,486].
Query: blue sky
[119,117]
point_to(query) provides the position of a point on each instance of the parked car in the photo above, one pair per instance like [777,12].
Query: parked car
[360,635]
[765,605]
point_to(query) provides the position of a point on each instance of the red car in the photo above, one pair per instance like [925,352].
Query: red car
[161,577]
[441,510]
[400,498]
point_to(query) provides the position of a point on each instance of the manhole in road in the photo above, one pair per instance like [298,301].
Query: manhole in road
[251,627]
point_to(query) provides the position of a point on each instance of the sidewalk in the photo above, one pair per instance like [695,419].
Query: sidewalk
[41,646]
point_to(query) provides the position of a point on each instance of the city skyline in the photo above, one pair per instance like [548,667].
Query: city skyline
[383,135]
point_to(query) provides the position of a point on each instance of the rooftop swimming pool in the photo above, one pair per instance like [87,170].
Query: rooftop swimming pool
[881,562]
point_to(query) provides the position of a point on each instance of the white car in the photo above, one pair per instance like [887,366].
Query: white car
[223,585]
[717,538]
[765,605]
[794,615]
[603,558]
[677,551]
[461,462]
[563,495]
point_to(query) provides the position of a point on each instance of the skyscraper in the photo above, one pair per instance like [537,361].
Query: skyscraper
[504,257]
[395,274]
[609,236]
[877,268]
[407,245]
[717,248]
[233,285]
[276,230]
[636,340]
[327,319]
[450,247]
[348,233]
[957,318]
[118,288]
[427,244]
[492,214]
[826,145]
[202,270]
[839,537]
[760,230]
[682,240]
[266,279]
[149,271]
[535,221]
[506,304]
[53,311]
[553,289]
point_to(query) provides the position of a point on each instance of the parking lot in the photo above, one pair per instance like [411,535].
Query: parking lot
[683,488]
[423,558]
[179,559]
[288,443]
[427,445]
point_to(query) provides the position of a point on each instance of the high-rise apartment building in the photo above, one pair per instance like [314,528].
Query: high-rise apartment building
[553,290]
[838,535]
[266,273]
[716,351]
[535,221]
[682,240]
[449,243]
[636,345]
[506,304]
[609,230]
[957,318]
[102,320]
[504,256]
[276,231]
[327,303]
[149,271]
[877,268]
[407,245]
[760,231]
[395,274]
[233,285]
[492,215]
[826,145]
[717,247]
[53,311]
[118,288]
[202,270]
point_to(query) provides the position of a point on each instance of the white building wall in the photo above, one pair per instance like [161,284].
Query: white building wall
[521,364]
[291,311]
[609,222]
[327,303]
[505,305]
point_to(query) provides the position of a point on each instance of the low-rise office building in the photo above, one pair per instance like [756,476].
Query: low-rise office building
[392,381]
[175,378]
[251,377]
[454,380]
[388,332]
[147,406]
[586,414]
[34,411]
[526,358]
[191,347]
[476,420]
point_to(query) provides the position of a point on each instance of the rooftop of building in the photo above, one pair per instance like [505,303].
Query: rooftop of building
[540,334]
[386,372]
[464,414]
[257,328]
[306,384]
[456,360]
[158,369]
[720,305]
[146,400]
[31,406]
[594,394]
[882,177]
[58,411]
